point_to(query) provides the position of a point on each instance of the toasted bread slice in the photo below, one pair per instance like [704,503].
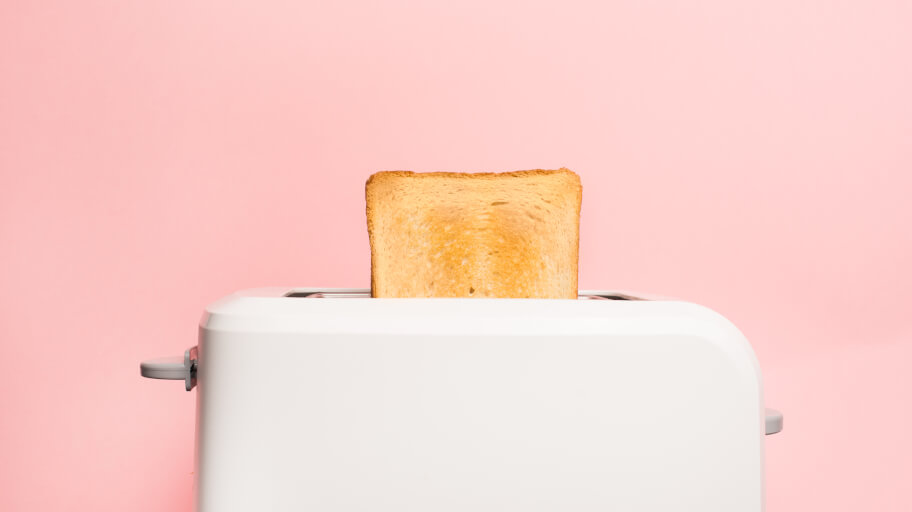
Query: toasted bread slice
[443,234]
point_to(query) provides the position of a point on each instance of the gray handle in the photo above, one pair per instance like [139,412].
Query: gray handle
[172,368]
[773,421]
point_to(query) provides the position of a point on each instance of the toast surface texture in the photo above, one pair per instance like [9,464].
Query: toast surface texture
[504,235]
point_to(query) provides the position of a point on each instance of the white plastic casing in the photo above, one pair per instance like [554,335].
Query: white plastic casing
[482,405]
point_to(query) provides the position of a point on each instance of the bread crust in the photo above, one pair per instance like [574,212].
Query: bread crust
[380,175]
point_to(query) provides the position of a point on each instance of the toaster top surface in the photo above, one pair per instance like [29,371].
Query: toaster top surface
[346,310]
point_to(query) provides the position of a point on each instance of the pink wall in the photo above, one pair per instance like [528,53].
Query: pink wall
[751,156]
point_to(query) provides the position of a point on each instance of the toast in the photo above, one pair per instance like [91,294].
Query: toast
[443,234]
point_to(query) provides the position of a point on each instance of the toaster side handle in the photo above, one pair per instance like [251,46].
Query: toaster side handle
[773,421]
[172,368]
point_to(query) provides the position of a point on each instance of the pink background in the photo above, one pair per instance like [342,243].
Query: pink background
[751,156]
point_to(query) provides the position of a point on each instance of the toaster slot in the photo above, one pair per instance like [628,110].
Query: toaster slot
[329,295]
[608,296]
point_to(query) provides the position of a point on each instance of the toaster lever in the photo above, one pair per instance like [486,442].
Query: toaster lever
[172,368]
[773,421]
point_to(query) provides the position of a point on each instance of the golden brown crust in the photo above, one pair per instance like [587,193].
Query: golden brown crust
[469,175]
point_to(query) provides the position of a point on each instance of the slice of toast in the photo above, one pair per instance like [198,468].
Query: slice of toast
[443,234]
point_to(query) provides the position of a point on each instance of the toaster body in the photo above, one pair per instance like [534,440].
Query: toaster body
[326,400]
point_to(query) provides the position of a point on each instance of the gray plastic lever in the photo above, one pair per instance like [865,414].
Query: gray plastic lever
[773,421]
[172,368]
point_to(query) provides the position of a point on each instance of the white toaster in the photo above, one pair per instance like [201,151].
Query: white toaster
[328,400]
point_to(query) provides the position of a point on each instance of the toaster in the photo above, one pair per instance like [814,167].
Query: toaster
[330,400]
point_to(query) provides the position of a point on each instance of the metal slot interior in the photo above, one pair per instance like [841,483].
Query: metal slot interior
[367,295]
